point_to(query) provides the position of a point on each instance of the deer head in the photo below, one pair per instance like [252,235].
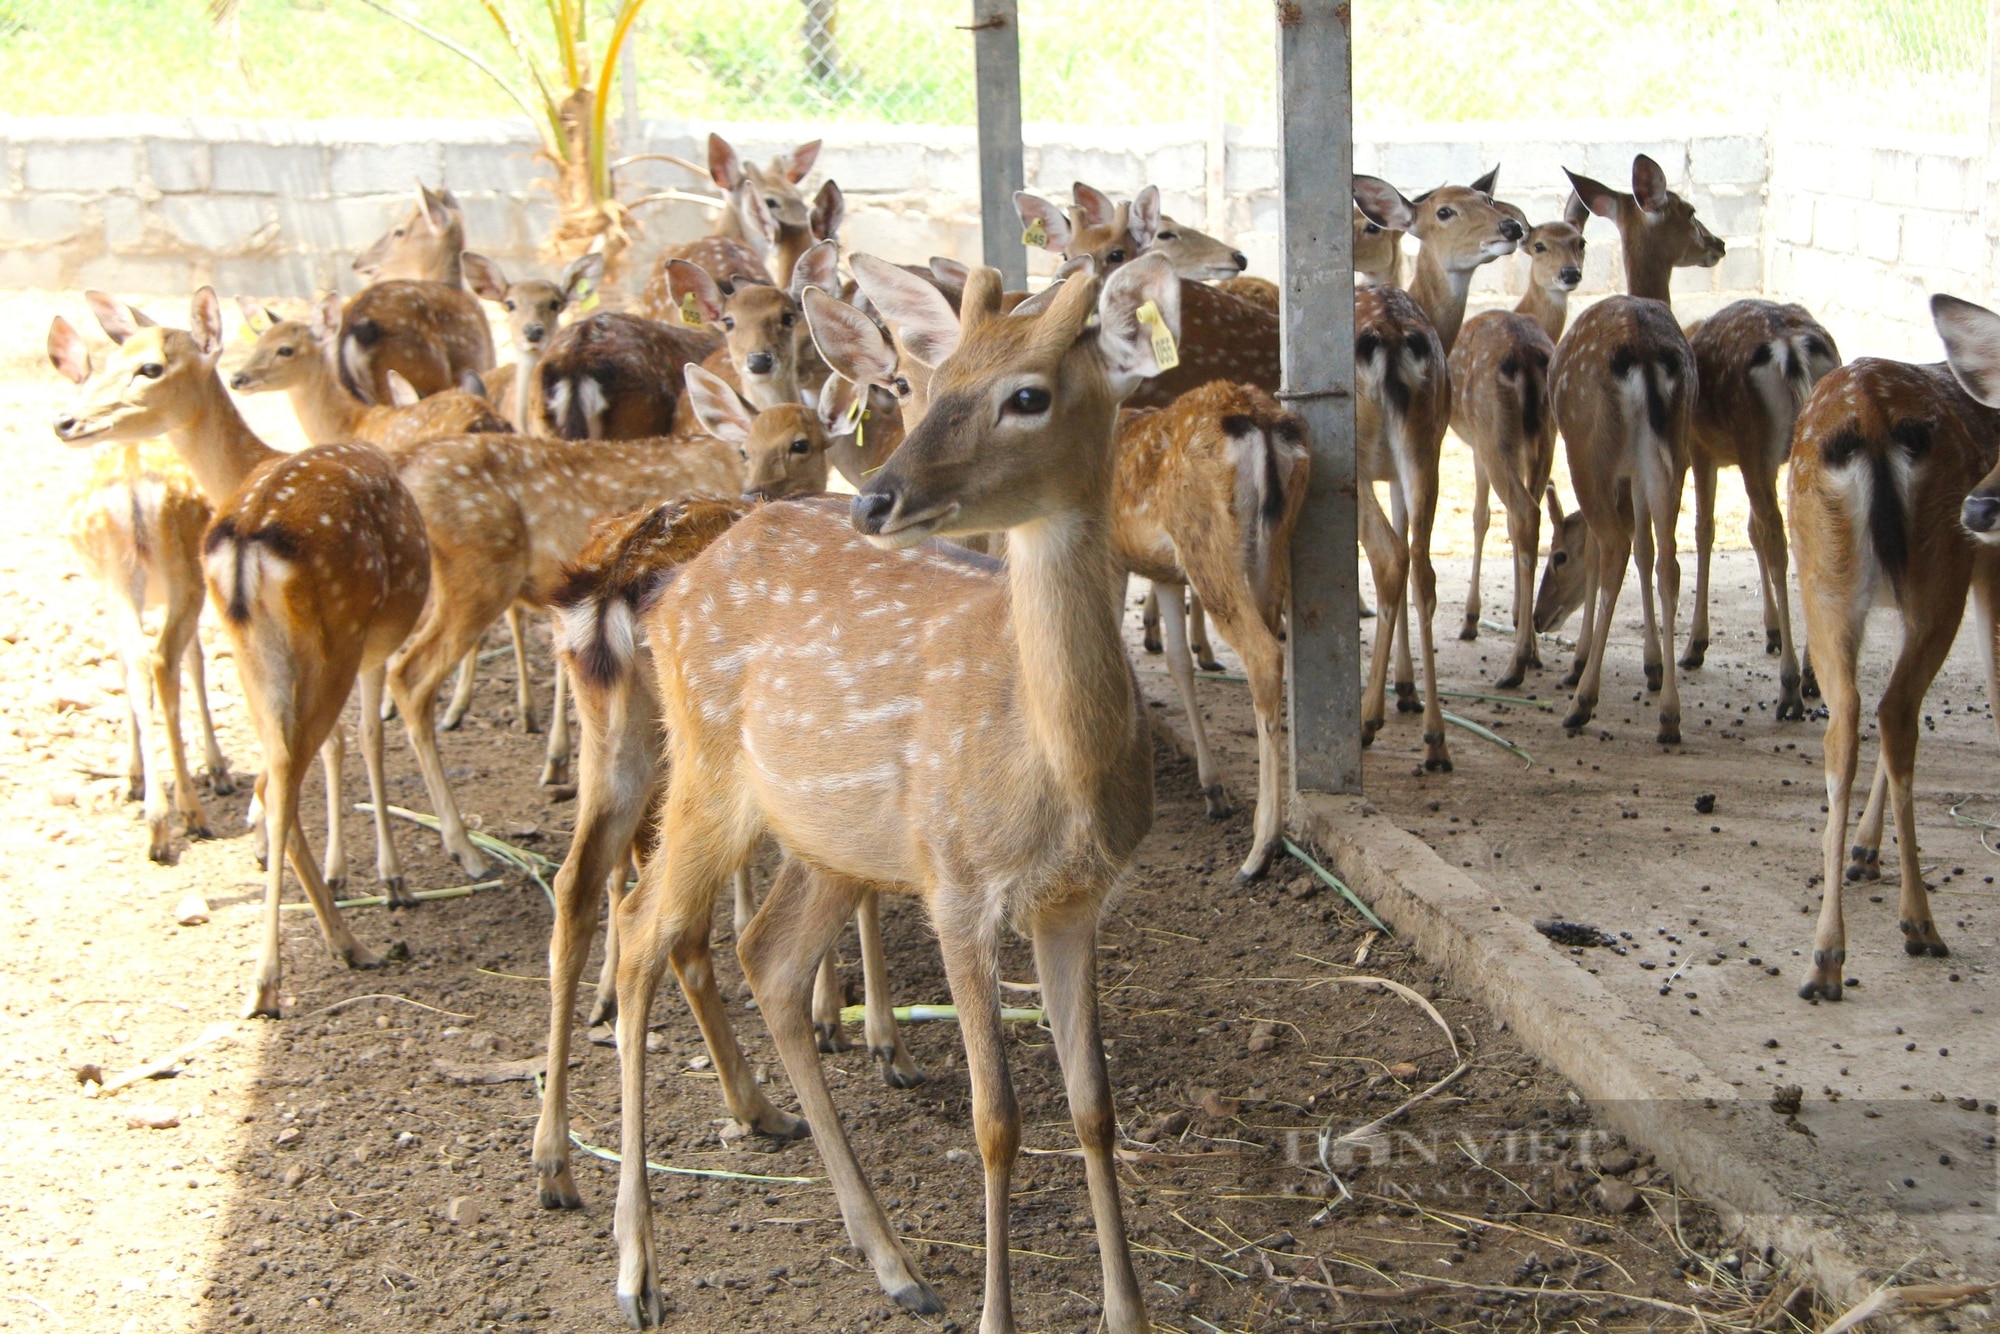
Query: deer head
[534,306]
[762,325]
[152,382]
[783,447]
[424,246]
[1555,250]
[1563,580]
[287,352]
[1657,229]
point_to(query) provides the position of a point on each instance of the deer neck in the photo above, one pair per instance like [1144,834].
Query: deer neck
[1065,589]
[527,361]
[1440,293]
[326,411]
[1546,306]
[1646,274]
[217,444]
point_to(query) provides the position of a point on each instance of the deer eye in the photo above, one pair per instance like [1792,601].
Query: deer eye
[1030,402]
[1371,229]
[743,453]
[1579,245]
[1170,236]
[729,322]
[1559,558]
[508,303]
[788,319]
[152,370]
[1540,248]
[286,350]
[1446,213]
[902,387]
[1117,256]
[770,203]
[802,447]
[398,233]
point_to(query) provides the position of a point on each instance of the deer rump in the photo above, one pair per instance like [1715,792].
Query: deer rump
[615,376]
[431,334]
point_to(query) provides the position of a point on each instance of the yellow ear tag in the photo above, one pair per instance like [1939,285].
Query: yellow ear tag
[246,333]
[1164,350]
[690,312]
[589,302]
[1036,235]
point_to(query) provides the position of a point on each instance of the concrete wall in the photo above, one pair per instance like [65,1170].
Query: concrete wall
[280,208]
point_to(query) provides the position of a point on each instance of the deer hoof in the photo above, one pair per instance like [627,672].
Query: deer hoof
[398,894]
[1809,684]
[222,783]
[557,1190]
[1470,629]
[359,956]
[1669,733]
[644,1308]
[1774,643]
[782,1126]
[605,1011]
[1921,938]
[451,720]
[1578,719]
[1152,646]
[160,844]
[1515,675]
[1406,698]
[1864,863]
[1697,653]
[1654,675]
[829,1035]
[899,1069]
[1210,665]
[918,1297]
[1218,802]
[1791,706]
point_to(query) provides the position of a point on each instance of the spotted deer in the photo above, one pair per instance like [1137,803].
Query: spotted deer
[614,376]
[774,188]
[415,316]
[1014,678]
[136,523]
[766,350]
[1892,500]
[1378,252]
[1500,407]
[534,308]
[725,259]
[1458,229]
[318,564]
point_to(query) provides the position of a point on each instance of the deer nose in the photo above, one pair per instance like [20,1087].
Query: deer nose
[239,381]
[65,426]
[754,495]
[1242,260]
[1980,514]
[870,511]
[533,332]
[1511,230]
[1571,274]
[758,363]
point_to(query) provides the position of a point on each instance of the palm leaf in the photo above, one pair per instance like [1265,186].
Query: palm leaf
[554,138]
[458,49]
[600,167]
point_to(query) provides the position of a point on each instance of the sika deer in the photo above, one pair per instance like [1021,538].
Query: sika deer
[613,376]
[1378,252]
[927,785]
[725,259]
[776,189]
[1625,383]
[136,524]
[296,356]
[766,351]
[1892,490]
[318,563]
[1458,228]
[534,309]
[1500,406]
[415,317]
[425,246]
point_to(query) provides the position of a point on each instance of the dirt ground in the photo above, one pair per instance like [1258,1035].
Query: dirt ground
[318,1163]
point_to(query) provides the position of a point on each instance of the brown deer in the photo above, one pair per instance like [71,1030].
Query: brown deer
[415,316]
[766,351]
[614,376]
[1196,256]
[534,308]
[1624,386]
[774,188]
[998,696]
[1378,252]
[1500,407]
[1458,228]
[783,447]
[136,524]
[726,259]
[318,564]
[1892,498]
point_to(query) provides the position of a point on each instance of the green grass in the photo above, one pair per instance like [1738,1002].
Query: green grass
[1912,64]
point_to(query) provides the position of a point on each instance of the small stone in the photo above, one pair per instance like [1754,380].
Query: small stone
[1616,1197]
[1263,1037]
[1403,1070]
[289,1136]
[700,1063]
[191,911]
[462,1210]
[1617,1163]
[89,1073]
[152,1118]
[483,1041]
[1175,1124]
[958,1156]
[656,1042]
[62,794]
[294,1174]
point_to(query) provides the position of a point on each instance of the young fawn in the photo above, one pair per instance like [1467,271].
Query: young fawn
[534,307]
[726,259]
[766,351]
[296,356]
[1458,228]
[1893,498]
[415,316]
[317,562]
[794,224]
[997,697]
[136,524]
[1624,385]
[1500,406]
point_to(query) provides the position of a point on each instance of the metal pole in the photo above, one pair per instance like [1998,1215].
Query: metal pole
[1989,199]
[1316,174]
[996,53]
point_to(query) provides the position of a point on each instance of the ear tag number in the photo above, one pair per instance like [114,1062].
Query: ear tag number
[690,312]
[1036,235]
[1164,350]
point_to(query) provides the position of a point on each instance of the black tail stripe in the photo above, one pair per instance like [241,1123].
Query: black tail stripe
[1886,528]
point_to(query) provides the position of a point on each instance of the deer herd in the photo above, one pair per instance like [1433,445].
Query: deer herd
[924,688]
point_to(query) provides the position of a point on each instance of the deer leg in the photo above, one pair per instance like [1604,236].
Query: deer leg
[388,866]
[1149,622]
[827,1000]
[744,900]
[1664,578]
[1204,652]
[885,1039]
[1924,649]
[281,791]
[1865,857]
[800,920]
[1066,962]
[1482,515]
[1420,484]
[1524,530]
[1389,562]
[604,1008]
[332,757]
[1173,621]
[1264,663]
[168,652]
[1842,745]
[555,765]
[1406,672]
[220,781]
[253,820]
[1704,545]
[414,678]
[461,692]
[1612,550]
[524,681]
[135,658]
[1586,635]
[1767,535]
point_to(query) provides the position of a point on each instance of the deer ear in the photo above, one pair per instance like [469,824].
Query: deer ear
[1971,345]
[205,321]
[1042,300]
[66,351]
[716,406]
[1575,211]
[800,164]
[685,279]
[828,212]
[433,206]
[724,167]
[919,312]
[1555,511]
[326,319]
[818,267]
[401,392]
[1486,183]
[1143,219]
[255,317]
[584,272]
[1093,204]
[759,227]
[848,340]
[950,273]
[836,401]
[116,318]
[1649,184]
[1598,197]
[1128,342]
[469,382]
[483,276]
[1383,204]
[1055,223]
